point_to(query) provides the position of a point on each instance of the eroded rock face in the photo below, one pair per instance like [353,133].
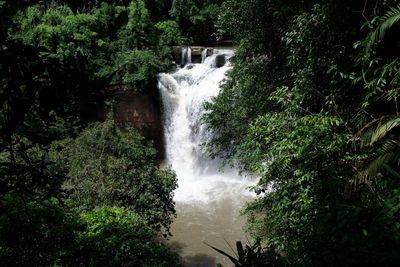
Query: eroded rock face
[141,112]
[133,110]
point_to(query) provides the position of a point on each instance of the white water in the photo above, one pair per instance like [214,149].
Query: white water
[186,56]
[204,55]
[207,200]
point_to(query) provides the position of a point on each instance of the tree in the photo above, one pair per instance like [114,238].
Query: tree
[56,58]
[288,112]
[117,237]
[197,19]
[111,167]
[33,232]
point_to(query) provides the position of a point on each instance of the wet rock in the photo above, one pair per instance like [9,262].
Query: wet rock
[190,66]
[220,61]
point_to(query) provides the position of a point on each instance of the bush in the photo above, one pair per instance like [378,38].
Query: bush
[32,233]
[111,236]
[110,167]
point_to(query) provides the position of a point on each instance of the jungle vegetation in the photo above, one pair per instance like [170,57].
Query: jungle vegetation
[310,106]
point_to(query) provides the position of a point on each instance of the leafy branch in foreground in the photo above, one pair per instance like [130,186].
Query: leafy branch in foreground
[255,255]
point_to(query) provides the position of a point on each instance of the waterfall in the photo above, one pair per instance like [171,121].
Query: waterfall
[208,201]
[183,94]
[186,56]
[204,55]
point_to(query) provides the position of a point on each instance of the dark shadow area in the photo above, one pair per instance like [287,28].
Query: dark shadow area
[177,247]
[199,260]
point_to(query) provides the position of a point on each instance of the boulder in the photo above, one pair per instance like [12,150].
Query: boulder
[220,60]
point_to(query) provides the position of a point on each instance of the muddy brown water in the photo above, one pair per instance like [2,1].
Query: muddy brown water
[217,223]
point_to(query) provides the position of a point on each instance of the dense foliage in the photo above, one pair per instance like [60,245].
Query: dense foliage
[60,60]
[311,107]
[197,19]
[117,237]
[108,167]
[109,41]
[73,194]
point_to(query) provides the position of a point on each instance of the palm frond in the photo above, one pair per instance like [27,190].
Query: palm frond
[378,129]
[392,94]
[235,261]
[389,19]
[388,146]
[377,164]
[387,154]
[391,171]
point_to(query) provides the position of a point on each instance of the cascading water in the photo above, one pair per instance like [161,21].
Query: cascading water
[204,55]
[207,200]
[186,56]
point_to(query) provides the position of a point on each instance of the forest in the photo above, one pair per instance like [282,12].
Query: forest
[310,107]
